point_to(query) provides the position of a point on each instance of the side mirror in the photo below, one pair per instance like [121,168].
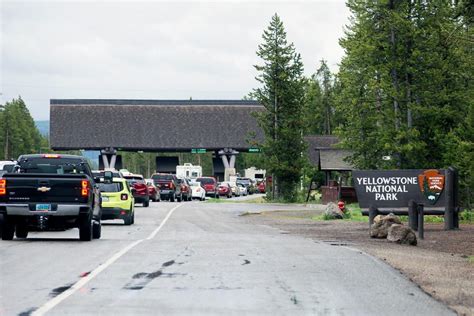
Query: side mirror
[108,176]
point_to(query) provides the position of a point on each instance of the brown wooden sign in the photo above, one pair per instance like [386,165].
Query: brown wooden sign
[395,188]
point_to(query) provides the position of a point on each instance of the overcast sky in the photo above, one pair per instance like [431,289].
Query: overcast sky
[152,49]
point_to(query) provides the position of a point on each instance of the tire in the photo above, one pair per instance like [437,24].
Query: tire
[96,229]
[85,228]
[128,220]
[172,198]
[133,217]
[179,198]
[21,230]
[7,229]
[146,203]
[203,198]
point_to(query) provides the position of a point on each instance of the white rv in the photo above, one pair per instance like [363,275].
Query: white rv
[255,174]
[188,171]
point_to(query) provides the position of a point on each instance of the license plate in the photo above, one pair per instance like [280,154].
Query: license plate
[105,198]
[43,207]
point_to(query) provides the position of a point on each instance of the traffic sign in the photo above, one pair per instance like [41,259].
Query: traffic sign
[255,150]
[198,151]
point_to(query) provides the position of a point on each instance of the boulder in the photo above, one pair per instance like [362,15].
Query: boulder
[381,225]
[333,211]
[402,235]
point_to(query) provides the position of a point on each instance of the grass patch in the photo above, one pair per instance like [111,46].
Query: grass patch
[470,259]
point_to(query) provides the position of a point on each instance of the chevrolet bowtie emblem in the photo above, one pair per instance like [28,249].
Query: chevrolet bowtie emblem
[44,189]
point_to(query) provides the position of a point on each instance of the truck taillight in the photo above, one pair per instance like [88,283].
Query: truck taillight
[124,197]
[3,186]
[84,188]
[171,185]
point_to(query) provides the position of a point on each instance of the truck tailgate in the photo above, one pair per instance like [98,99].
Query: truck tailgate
[37,188]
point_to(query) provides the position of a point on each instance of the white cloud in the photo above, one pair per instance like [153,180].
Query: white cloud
[152,49]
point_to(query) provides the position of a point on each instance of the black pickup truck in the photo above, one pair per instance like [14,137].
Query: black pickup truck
[50,192]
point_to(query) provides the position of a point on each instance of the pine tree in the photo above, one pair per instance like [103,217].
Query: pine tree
[282,96]
[19,134]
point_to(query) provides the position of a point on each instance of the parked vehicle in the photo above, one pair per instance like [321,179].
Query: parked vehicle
[262,187]
[50,192]
[224,189]
[117,200]
[139,188]
[153,191]
[243,189]
[210,185]
[198,192]
[186,192]
[168,185]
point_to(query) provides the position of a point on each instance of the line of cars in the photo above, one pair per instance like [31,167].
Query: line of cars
[58,192]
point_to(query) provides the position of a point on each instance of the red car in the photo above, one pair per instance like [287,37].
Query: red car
[186,191]
[262,187]
[225,189]
[139,188]
[210,185]
[153,191]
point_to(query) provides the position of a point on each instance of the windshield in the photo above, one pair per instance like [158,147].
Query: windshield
[110,187]
[53,165]
[158,177]
[206,180]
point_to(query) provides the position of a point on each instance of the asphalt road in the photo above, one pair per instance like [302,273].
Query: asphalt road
[198,258]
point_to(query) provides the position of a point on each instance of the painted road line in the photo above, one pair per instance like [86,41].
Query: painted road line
[83,281]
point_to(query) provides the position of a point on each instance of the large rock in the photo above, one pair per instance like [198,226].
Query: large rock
[333,211]
[381,225]
[402,235]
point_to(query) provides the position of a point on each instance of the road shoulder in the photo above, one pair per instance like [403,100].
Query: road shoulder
[439,264]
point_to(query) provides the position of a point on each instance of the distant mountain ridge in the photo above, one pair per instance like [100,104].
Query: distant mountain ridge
[43,127]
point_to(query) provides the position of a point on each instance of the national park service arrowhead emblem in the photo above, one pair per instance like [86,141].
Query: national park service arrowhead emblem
[431,184]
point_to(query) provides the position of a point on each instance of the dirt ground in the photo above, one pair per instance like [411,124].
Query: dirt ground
[442,264]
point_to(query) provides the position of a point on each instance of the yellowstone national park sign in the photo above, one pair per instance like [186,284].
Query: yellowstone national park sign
[395,188]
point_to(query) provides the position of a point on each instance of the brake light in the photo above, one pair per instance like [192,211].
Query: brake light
[84,188]
[3,186]
[51,156]
[124,197]
[172,185]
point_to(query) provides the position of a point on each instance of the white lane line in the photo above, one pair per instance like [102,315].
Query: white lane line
[83,281]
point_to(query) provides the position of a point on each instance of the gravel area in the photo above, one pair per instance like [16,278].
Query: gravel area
[442,264]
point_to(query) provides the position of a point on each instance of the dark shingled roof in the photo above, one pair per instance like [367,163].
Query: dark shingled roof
[153,125]
[323,153]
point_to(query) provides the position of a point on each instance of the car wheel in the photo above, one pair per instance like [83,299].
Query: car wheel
[133,217]
[85,227]
[96,229]
[21,230]
[179,198]
[128,220]
[146,203]
[172,198]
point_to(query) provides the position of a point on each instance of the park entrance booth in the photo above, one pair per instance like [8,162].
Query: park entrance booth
[224,127]
[326,157]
